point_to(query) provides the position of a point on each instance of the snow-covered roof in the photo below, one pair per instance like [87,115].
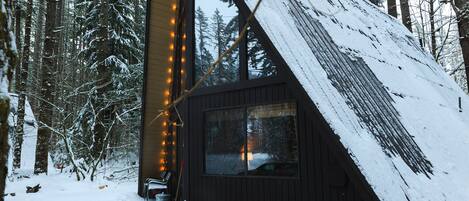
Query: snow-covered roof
[394,108]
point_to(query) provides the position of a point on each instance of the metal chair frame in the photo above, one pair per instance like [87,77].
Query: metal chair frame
[164,180]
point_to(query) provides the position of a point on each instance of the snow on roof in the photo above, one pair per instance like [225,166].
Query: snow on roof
[394,108]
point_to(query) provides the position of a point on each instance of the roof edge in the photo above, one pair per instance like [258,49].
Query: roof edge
[332,140]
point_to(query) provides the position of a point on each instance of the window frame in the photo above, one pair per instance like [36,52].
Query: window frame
[245,107]
[243,52]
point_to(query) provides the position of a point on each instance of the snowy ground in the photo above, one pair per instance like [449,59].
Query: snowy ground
[64,187]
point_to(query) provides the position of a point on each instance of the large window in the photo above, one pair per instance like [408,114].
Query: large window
[224,140]
[254,141]
[217,26]
[216,29]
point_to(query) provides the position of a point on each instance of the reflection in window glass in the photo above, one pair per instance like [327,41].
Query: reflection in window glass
[272,141]
[259,63]
[225,139]
[216,29]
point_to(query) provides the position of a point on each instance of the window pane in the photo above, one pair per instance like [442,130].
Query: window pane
[272,141]
[259,64]
[216,29]
[225,140]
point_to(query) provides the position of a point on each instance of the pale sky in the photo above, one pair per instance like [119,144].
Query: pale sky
[209,7]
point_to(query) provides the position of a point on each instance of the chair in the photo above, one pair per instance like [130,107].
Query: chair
[156,184]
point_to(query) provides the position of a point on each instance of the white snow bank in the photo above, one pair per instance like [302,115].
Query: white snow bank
[64,187]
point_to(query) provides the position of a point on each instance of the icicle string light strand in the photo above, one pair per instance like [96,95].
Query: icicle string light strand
[212,66]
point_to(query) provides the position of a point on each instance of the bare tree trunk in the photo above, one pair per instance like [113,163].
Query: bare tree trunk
[58,50]
[405,12]
[431,13]
[18,39]
[22,88]
[461,8]
[36,68]
[49,66]
[422,36]
[376,2]
[7,60]
[4,111]
[392,8]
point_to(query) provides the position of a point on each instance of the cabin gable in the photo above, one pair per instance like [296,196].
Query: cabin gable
[326,171]
[298,111]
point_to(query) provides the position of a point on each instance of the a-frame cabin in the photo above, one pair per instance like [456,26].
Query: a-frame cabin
[321,101]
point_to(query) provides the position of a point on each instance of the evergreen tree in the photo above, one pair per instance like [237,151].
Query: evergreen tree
[48,70]
[203,57]
[260,65]
[231,62]
[18,13]
[111,49]
[36,65]
[218,40]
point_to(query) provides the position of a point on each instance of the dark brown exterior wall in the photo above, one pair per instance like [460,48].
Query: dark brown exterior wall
[321,177]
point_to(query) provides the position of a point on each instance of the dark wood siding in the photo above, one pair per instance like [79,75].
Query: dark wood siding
[321,177]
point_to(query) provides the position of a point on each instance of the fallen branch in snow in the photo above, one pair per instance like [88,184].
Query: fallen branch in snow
[125,169]
[33,189]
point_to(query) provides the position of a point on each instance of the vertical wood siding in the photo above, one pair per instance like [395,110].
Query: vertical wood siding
[156,64]
[321,177]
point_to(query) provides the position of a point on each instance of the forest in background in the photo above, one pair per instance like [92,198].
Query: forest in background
[80,66]
[442,28]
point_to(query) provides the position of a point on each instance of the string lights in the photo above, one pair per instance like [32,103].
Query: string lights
[167,92]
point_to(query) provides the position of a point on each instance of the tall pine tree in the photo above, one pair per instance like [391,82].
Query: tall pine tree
[231,62]
[49,69]
[21,84]
[203,57]
[259,63]
[111,45]
[218,38]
